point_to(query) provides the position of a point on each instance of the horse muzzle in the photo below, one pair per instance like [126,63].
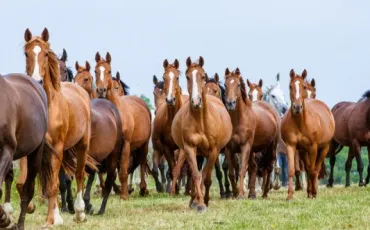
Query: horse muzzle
[297,108]
[196,103]
[101,92]
[231,105]
[171,101]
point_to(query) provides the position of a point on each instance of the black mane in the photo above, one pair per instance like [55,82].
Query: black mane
[69,74]
[366,94]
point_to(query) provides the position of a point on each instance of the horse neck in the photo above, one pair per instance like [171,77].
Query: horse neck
[48,85]
[301,117]
[200,115]
[113,97]
[241,109]
[172,110]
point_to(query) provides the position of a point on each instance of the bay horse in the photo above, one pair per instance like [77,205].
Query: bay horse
[308,127]
[255,129]
[66,73]
[213,87]
[352,129]
[203,127]
[23,136]
[136,127]
[106,138]
[163,143]
[68,132]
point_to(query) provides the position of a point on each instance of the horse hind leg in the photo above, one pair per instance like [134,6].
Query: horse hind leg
[143,162]
[63,190]
[252,173]
[368,167]
[207,175]
[71,209]
[360,164]
[348,166]
[219,178]
[8,186]
[332,158]
[225,168]
[155,170]
[88,206]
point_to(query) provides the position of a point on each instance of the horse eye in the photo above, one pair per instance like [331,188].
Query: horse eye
[110,72]
[187,78]
[25,54]
[86,79]
[46,54]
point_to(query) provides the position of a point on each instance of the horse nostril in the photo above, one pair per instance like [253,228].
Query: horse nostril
[105,90]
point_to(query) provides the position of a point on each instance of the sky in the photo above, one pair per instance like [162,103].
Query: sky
[330,39]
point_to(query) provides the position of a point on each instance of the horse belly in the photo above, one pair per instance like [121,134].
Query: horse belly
[103,140]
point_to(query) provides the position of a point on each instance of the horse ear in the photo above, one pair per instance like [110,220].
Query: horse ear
[176,63]
[188,62]
[292,73]
[201,61]
[64,56]
[260,83]
[249,83]
[27,35]
[45,35]
[217,79]
[278,77]
[87,66]
[237,71]
[118,77]
[165,64]
[108,58]
[227,71]
[97,57]
[304,74]
[313,82]
[77,65]
[155,80]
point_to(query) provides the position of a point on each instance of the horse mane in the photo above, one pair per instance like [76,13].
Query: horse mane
[222,88]
[243,90]
[365,96]
[69,74]
[159,85]
[125,87]
[53,62]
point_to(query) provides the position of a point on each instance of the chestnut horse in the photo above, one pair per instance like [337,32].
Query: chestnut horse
[255,129]
[307,127]
[352,129]
[106,138]
[163,143]
[202,126]
[136,128]
[65,72]
[23,135]
[69,130]
[213,87]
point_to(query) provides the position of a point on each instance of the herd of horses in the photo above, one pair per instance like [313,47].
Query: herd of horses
[62,128]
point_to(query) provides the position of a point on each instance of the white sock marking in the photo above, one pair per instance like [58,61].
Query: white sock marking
[254,95]
[79,203]
[102,69]
[297,90]
[8,208]
[171,75]
[195,94]
[58,220]
[36,70]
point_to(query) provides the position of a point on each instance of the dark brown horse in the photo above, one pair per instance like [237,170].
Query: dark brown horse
[136,128]
[307,127]
[255,129]
[163,143]
[69,131]
[106,138]
[352,129]
[202,126]
[23,135]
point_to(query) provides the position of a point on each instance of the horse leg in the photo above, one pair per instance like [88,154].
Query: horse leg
[228,157]
[298,184]
[171,165]
[311,159]
[219,177]
[82,151]
[34,163]
[349,166]
[177,169]
[143,163]
[207,177]
[277,172]
[101,183]
[368,167]
[291,171]
[63,189]
[225,168]
[161,167]
[360,164]
[318,165]
[192,160]
[6,157]
[70,204]
[116,187]
[88,206]
[123,175]
[53,217]
[245,155]
[333,146]
[155,171]
[252,173]
[8,187]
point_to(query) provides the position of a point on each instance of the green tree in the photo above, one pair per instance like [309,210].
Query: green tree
[147,101]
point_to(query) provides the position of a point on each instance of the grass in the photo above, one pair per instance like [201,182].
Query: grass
[336,208]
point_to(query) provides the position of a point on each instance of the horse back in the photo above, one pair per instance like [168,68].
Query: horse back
[24,113]
[342,113]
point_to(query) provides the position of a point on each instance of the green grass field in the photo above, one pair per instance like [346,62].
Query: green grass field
[336,208]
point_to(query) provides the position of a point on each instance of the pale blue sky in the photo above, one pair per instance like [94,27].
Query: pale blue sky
[331,39]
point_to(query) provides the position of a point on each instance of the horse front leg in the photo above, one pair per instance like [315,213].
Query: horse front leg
[245,156]
[177,169]
[123,174]
[207,177]
[228,157]
[291,149]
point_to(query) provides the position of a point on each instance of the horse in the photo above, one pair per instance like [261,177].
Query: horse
[203,127]
[255,129]
[352,129]
[213,87]
[308,127]
[68,132]
[157,157]
[23,136]
[136,127]
[106,137]
[163,143]
[66,73]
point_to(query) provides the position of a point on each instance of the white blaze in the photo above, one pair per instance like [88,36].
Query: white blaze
[36,71]
[102,73]
[297,89]
[232,81]
[254,95]
[172,76]
[195,94]
[309,93]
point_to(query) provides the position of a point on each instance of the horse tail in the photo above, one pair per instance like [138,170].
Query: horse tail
[148,171]
[323,172]
[340,147]
[70,165]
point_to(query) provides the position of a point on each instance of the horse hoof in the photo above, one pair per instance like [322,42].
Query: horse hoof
[31,208]
[124,197]
[201,208]
[193,205]
[361,184]
[240,197]
[64,209]
[79,217]
[252,197]
[347,185]
[144,192]
[131,190]
[89,209]
[329,185]
[101,212]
